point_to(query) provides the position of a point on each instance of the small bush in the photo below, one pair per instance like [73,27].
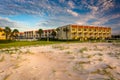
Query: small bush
[83,49]
[60,47]
[6,77]
[2,59]
[68,52]
[100,54]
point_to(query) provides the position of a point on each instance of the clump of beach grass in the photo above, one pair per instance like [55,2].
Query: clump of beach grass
[53,70]
[68,52]
[16,66]
[100,59]
[117,54]
[105,72]
[6,77]
[10,50]
[28,52]
[60,47]
[100,54]
[90,56]
[2,59]
[83,49]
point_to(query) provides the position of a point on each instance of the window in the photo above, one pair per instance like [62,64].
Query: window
[73,33]
[3,34]
[73,29]
[79,29]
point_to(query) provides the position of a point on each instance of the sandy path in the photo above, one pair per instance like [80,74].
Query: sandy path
[79,61]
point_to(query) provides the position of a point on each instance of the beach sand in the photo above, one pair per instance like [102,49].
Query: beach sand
[72,61]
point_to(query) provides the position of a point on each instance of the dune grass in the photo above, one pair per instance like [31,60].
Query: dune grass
[26,43]
[8,44]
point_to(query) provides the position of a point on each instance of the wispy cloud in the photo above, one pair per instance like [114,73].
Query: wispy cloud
[71,4]
[72,12]
[6,22]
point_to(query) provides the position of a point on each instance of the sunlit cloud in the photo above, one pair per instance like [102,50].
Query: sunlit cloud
[72,13]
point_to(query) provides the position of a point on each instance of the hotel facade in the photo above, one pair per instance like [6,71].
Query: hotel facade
[67,32]
[81,32]
[35,35]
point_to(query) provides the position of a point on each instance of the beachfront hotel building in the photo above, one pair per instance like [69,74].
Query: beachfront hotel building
[81,32]
[34,34]
[2,34]
[47,33]
[71,32]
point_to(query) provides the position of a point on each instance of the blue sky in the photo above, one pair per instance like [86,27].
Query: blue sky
[34,14]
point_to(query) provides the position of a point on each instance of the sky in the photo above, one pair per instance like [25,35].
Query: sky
[47,14]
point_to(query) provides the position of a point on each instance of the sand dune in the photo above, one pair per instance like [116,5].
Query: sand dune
[78,61]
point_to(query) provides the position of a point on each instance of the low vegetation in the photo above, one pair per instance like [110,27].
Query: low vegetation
[117,54]
[2,59]
[26,43]
[83,49]
[13,43]
[60,47]
[6,77]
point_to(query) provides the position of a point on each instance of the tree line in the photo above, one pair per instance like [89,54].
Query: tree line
[13,34]
[10,34]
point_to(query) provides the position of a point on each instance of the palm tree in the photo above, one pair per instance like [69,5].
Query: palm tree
[53,34]
[57,29]
[7,31]
[1,29]
[66,30]
[14,33]
[40,31]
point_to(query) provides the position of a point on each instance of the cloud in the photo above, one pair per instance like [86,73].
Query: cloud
[53,7]
[71,4]
[61,1]
[72,13]
[34,7]
[61,12]
[6,22]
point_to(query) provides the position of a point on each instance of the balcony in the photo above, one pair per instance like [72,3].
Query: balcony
[99,31]
[90,31]
[79,31]
[73,30]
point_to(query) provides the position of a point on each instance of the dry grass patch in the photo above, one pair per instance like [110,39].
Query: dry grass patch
[10,50]
[60,47]
[6,77]
[105,73]
[28,52]
[2,59]
[16,66]
[100,54]
[100,59]
[117,55]
[83,49]
[68,52]
[90,56]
